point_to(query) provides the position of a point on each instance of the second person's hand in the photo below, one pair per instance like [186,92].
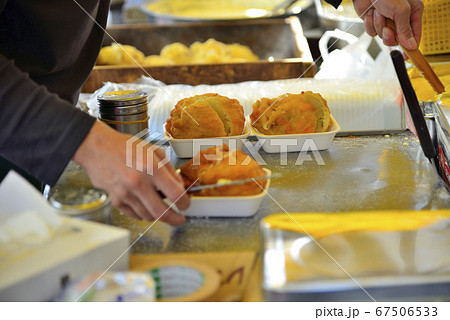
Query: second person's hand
[406,14]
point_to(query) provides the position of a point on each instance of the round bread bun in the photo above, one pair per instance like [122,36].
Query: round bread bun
[205,116]
[306,112]
[222,164]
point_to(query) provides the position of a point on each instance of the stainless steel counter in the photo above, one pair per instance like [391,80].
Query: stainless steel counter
[359,173]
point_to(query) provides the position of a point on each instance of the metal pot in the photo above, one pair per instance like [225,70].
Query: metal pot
[130,127]
[124,118]
[126,110]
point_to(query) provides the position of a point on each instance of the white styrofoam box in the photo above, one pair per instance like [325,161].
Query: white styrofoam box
[81,248]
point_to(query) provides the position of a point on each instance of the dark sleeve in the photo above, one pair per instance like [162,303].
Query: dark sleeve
[39,131]
[47,50]
[334,3]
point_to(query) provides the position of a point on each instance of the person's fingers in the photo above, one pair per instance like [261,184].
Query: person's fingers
[416,20]
[389,37]
[172,218]
[403,25]
[143,201]
[162,156]
[125,199]
[127,210]
[379,22]
[160,210]
[143,185]
[172,189]
[368,23]
[169,184]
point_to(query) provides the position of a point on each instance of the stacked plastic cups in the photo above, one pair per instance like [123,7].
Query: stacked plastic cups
[125,111]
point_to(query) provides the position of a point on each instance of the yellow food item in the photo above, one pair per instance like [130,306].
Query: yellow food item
[204,116]
[241,53]
[212,9]
[210,51]
[117,54]
[222,164]
[444,98]
[306,112]
[155,60]
[178,53]
[424,91]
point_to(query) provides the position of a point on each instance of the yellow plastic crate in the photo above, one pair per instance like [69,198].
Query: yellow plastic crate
[436,27]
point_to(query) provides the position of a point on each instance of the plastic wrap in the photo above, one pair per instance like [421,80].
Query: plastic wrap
[357,105]
[27,221]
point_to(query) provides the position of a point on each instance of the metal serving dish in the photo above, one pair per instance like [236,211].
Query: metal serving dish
[406,259]
[169,11]
[343,18]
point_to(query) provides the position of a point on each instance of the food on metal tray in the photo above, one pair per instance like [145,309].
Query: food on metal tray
[306,112]
[178,53]
[444,97]
[422,87]
[117,54]
[205,116]
[210,51]
[219,164]
[155,60]
[213,51]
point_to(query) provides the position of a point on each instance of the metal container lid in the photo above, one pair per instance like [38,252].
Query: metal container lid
[122,98]
[79,201]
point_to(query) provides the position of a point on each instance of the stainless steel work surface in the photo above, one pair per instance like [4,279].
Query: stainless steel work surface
[357,173]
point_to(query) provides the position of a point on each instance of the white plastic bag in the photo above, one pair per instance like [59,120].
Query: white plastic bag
[354,60]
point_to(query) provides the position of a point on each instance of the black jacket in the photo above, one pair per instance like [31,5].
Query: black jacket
[47,50]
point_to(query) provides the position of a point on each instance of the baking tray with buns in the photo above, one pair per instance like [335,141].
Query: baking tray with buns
[279,43]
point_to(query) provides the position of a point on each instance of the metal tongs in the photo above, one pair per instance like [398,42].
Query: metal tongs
[230,182]
[421,63]
[414,108]
[197,188]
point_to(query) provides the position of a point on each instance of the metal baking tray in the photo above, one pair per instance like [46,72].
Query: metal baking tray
[358,265]
[279,43]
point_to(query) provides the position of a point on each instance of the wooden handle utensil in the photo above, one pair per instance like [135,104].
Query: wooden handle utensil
[420,62]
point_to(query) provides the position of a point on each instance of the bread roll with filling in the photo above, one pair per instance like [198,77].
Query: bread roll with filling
[204,116]
[306,112]
[222,164]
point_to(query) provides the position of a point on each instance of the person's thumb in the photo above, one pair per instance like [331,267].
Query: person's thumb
[404,32]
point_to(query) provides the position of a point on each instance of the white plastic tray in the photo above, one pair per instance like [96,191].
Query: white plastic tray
[187,148]
[297,142]
[243,206]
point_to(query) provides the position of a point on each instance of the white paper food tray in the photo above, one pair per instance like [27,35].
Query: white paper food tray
[244,206]
[298,142]
[187,148]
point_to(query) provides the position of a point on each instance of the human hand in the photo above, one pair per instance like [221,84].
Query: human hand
[406,14]
[103,155]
